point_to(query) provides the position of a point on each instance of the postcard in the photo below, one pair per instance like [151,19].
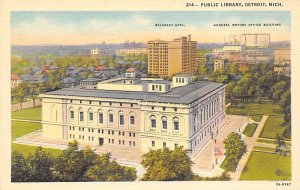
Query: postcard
[149,94]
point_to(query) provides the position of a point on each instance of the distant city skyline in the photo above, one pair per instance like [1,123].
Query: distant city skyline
[77,28]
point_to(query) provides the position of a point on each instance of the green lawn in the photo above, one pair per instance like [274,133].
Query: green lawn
[250,129]
[267,166]
[31,114]
[272,141]
[27,149]
[256,118]
[264,149]
[274,123]
[273,126]
[20,128]
[255,109]
[231,168]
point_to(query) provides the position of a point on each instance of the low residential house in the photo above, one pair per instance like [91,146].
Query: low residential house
[40,78]
[131,72]
[69,82]
[110,72]
[15,80]
[51,68]
[36,69]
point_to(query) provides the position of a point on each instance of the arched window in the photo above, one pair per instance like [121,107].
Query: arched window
[81,116]
[176,123]
[90,115]
[54,113]
[110,117]
[153,121]
[71,114]
[100,117]
[121,118]
[164,122]
[131,119]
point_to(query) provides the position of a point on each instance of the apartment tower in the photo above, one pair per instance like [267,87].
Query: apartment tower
[166,58]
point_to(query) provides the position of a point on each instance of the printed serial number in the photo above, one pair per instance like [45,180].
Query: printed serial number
[283,184]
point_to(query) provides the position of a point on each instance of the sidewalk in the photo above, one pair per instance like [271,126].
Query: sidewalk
[27,120]
[250,142]
[205,161]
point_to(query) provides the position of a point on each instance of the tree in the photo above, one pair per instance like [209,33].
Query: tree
[70,165]
[235,149]
[202,70]
[167,165]
[106,170]
[229,91]
[20,169]
[40,166]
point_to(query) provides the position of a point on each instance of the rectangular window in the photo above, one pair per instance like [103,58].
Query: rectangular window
[164,145]
[71,114]
[123,142]
[129,143]
[133,134]
[82,137]
[176,145]
[129,134]
[100,117]
[108,140]
[112,132]
[153,88]
[112,141]
[91,116]
[121,119]
[153,143]
[111,118]
[98,130]
[92,138]
[132,121]
[133,143]
[119,141]
[70,128]
[108,132]
[123,133]
[120,133]
[159,87]
[81,116]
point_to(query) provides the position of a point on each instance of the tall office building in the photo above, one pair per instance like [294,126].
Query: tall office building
[166,58]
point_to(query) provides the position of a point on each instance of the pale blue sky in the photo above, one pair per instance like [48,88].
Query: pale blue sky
[85,27]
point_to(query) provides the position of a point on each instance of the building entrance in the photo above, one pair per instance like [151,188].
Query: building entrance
[101,141]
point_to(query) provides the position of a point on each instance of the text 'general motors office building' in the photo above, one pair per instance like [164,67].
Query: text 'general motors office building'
[137,114]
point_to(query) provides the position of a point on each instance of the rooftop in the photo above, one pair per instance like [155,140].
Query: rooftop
[183,94]
[91,80]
